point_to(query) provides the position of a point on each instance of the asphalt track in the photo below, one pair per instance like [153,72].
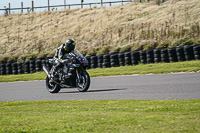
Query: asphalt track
[161,86]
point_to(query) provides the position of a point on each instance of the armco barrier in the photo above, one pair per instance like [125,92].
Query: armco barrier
[113,59]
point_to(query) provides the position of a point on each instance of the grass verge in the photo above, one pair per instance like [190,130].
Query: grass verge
[157,68]
[100,116]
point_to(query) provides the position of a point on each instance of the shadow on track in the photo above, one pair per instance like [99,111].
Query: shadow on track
[105,90]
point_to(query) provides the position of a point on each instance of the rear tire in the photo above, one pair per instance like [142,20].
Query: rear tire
[84,86]
[52,88]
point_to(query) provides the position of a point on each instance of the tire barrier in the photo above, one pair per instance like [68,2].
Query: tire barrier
[32,65]
[48,65]
[106,61]
[0,69]
[164,56]
[127,58]
[10,61]
[14,68]
[189,53]
[172,55]
[121,59]
[180,53]
[43,63]
[93,62]
[113,59]
[135,57]
[8,69]
[3,69]
[88,58]
[196,50]
[27,67]
[157,55]
[150,56]
[38,65]
[99,60]
[20,68]
[143,57]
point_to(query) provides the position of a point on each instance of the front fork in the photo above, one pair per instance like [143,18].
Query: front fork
[78,73]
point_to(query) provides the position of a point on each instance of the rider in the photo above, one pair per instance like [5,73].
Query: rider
[61,52]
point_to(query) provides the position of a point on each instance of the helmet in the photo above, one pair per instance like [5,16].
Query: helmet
[70,45]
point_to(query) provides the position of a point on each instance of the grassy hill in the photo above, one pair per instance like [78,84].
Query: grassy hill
[99,30]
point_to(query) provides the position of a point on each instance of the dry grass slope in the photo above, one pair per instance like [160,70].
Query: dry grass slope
[98,30]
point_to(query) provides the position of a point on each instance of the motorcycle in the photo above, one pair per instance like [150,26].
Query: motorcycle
[72,74]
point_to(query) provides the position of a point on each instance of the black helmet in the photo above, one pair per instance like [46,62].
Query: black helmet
[70,45]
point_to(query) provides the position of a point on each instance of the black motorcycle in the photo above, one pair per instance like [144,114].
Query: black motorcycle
[72,73]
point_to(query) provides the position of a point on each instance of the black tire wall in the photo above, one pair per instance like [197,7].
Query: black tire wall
[113,59]
[196,50]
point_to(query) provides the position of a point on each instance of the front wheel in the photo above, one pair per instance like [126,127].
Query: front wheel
[84,84]
[52,87]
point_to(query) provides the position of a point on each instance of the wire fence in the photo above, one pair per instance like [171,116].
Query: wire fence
[49,7]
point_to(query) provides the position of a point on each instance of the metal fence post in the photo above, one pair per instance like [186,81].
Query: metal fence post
[48,6]
[9,7]
[21,7]
[32,6]
[122,2]
[101,2]
[65,4]
[81,3]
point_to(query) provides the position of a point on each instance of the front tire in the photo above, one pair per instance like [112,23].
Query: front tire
[52,87]
[85,84]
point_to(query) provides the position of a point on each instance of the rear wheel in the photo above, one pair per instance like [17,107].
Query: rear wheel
[84,84]
[52,87]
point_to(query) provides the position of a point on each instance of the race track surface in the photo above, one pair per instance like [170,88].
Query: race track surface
[161,86]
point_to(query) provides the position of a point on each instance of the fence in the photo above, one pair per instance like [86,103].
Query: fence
[48,7]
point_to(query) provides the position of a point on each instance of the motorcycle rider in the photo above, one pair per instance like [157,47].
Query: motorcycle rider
[64,49]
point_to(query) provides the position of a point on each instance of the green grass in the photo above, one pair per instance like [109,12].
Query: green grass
[103,115]
[100,116]
[157,68]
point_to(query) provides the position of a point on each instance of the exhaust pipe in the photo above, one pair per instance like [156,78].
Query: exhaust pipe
[46,71]
[49,76]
